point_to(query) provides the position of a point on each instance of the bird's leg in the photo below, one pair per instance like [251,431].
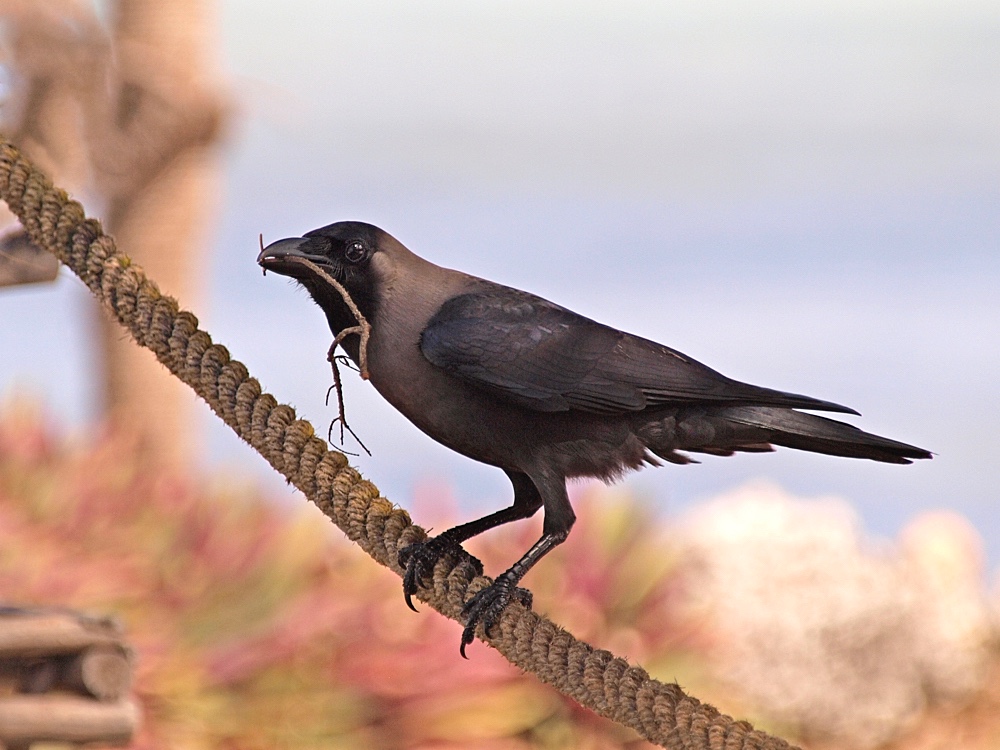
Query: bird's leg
[419,559]
[487,605]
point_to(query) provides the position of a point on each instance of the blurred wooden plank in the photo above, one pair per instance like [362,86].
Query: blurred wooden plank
[104,672]
[26,634]
[21,262]
[65,718]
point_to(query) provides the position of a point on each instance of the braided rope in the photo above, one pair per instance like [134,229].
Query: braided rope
[662,713]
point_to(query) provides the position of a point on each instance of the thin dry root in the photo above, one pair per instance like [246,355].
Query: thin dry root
[363,329]
[337,386]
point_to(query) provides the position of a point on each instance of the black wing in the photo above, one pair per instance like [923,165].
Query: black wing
[533,353]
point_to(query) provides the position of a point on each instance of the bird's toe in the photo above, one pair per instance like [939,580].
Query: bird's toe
[488,605]
[418,561]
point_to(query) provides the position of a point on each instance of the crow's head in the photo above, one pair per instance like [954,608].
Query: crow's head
[353,253]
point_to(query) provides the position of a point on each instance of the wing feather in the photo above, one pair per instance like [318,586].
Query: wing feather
[531,352]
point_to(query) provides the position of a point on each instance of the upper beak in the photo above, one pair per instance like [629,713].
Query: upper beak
[278,256]
[280,249]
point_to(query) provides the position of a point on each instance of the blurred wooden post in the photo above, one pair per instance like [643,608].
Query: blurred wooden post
[46,116]
[132,117]
[157,169]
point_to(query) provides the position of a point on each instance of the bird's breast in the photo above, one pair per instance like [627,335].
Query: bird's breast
[440,405]
[485,428]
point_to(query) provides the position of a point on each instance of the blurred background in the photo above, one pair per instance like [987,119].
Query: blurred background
[800,195]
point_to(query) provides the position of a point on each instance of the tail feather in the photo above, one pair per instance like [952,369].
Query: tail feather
[752,425]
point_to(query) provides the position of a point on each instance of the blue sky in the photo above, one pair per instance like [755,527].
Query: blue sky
[801,195]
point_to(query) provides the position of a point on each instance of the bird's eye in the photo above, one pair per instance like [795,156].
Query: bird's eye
[355,251]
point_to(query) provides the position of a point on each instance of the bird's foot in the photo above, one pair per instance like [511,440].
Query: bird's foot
[487,606]
[419,560]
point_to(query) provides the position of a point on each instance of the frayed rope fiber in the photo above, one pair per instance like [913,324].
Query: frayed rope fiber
[596,678]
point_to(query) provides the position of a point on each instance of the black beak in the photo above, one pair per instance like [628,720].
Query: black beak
[280,256]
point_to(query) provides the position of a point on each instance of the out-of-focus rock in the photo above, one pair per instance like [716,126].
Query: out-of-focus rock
[846,638]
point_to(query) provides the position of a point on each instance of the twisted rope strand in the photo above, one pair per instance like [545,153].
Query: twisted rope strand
[662,713]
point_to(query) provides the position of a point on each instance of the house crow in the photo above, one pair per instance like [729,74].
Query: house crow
[517,382]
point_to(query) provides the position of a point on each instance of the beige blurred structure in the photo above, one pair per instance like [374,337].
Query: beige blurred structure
[844,639]
[65,677]
[128,116]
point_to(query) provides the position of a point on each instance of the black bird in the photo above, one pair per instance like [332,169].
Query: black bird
[517,382]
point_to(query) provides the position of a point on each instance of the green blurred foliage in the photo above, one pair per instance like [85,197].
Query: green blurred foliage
[257,626]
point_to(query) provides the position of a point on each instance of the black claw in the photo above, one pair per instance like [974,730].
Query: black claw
[414,565]
[410,582]
[419,560]
[468,636]
[409,560]
[488,605]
